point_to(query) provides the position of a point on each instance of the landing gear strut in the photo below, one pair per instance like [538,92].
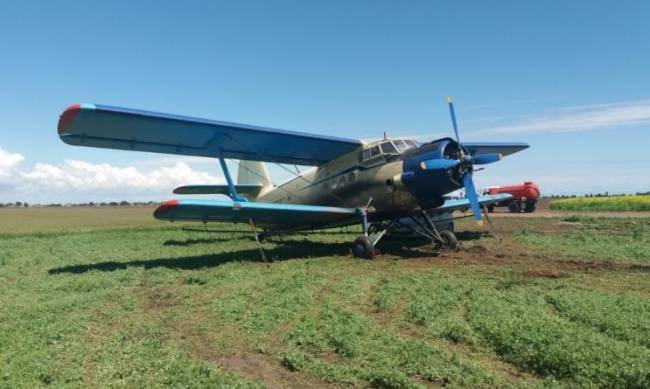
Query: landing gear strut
[364,245]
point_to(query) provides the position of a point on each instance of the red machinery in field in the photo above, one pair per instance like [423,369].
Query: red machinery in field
[524,196]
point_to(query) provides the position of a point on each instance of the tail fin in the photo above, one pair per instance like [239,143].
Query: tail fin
[254,173]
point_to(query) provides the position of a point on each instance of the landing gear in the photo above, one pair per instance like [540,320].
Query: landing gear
[420,225]
[363,248]
[449,240]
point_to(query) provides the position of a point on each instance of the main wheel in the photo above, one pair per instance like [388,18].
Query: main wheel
[514,207]
[363,248]
[451,241]
[530,206]
[490,208]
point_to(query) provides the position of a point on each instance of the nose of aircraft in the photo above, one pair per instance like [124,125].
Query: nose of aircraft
[433,170]
[442,166]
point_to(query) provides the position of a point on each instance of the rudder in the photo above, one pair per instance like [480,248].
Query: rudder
[254,173]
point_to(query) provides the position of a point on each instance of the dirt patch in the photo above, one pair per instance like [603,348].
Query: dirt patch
[531,263]
[267,370]
[162,298]
[476,249]
[544,273]
[210,348]
[640,268]
[586,265]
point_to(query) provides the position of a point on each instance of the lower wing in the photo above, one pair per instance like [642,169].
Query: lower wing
[216,189]
[503,148]
[273,216]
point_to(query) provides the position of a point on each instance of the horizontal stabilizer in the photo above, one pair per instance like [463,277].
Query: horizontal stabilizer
[274,216]
[216,189]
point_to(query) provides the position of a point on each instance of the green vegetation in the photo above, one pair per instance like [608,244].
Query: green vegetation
[58,219]
[604,238]
[607,204]
[151,304]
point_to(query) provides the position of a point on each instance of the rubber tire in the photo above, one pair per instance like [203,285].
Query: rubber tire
[451,241]
[514,207]
[529,207]
[490,208]
[363,248]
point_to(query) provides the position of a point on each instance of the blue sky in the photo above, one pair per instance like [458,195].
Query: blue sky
[570,78]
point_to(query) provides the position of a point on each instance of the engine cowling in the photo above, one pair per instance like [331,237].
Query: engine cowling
[429,186]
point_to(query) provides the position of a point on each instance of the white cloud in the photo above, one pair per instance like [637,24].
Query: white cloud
[579,118]
[75,180]
[8,164]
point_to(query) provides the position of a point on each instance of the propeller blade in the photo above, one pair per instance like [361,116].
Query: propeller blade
[470,193]
[453,118]
[439,164]
[484,159]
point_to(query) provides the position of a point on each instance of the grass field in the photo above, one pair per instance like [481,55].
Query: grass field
[93,299]
[597,204]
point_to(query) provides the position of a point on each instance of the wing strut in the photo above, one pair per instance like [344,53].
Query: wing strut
[257,238]
[231,186]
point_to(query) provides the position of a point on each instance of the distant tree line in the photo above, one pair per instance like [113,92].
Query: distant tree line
[17,204]
[21,204]
[606,194]
[122,203]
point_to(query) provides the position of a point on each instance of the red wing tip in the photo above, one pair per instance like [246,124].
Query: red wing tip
[68,116]
[165,207]
[72,107]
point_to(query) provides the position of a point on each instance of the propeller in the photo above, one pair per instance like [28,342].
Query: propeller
[468,160]
[453,120]
[439,164]
[470,193]
[484,159]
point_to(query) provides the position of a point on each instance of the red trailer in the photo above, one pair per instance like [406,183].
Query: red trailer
[524,196]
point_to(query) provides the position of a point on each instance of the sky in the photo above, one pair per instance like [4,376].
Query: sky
[569,78]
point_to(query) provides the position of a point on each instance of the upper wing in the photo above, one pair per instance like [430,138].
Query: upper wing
[451,205]
[504,148]
[267,215]
[128,129]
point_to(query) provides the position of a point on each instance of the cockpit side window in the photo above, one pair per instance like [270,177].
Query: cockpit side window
[374,151]
[411,143]
[401,146]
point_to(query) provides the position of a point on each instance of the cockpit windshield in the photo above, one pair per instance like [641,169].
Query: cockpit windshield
[388,147]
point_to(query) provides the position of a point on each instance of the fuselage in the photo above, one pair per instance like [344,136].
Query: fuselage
[374,175]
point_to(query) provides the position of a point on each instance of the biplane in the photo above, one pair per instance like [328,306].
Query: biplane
[378,185]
